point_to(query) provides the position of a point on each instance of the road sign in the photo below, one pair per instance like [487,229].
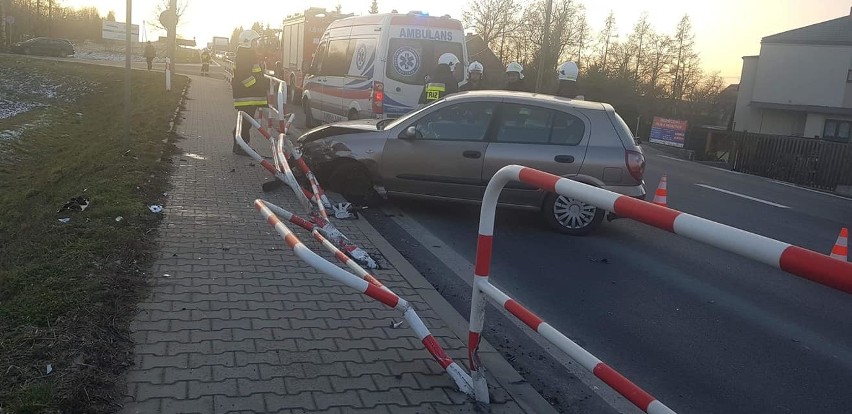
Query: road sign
[118,31]
[168,18]
[670,132]
[10,19]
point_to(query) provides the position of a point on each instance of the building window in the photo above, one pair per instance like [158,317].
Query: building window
[836,130]
[849,76]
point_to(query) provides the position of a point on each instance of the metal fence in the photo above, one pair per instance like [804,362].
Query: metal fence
[803,161]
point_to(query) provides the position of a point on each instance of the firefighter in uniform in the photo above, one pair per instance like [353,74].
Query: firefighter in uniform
[443,82]
[567,76]
[249,86]
[474,77]
[515,78]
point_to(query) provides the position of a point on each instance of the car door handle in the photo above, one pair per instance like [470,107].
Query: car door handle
[472,154]
[565,159]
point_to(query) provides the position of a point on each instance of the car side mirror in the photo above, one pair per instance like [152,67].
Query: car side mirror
[409,133]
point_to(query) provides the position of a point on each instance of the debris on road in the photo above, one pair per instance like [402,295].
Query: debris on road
[119,218]
[65,220]
[75,204]
[603,260]
[156,208]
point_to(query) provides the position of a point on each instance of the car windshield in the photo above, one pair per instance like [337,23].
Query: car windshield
[388,123]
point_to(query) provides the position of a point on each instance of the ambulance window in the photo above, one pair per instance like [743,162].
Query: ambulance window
[362,54]
[319,57]
[411,60]
[337,60]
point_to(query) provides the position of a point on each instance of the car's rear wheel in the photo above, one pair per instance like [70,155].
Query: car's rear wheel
[352,115]
[571,216]
[309,116]
[353,181]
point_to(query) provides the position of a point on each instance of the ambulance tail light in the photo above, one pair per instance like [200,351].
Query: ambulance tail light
[378,97]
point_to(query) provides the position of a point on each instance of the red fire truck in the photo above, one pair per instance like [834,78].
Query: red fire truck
[300,36]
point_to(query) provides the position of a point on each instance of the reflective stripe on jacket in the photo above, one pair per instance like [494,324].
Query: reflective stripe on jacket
[249,86]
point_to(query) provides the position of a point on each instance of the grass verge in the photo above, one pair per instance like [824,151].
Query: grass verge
[68,291]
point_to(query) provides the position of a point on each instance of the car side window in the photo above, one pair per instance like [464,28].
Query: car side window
[567,129]
[524,124]
[460,122]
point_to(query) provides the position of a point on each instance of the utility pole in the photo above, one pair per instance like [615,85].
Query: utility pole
[128,30]
[545,46]
[172,33]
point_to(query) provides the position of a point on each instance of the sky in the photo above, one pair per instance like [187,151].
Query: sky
[725,30]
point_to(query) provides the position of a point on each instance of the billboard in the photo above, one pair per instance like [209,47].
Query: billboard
[221,41]
[117,31]
[670,132]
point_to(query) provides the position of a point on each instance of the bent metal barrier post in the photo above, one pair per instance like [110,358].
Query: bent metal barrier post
[792,259]
[364,283]
[282,150]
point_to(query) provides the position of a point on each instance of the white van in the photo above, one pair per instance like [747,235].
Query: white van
[375,66]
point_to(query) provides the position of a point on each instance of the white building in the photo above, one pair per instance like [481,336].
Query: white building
[800,84]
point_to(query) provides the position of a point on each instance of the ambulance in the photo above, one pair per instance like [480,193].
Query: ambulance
[376,66]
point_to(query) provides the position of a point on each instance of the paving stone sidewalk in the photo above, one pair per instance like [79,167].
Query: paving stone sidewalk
[237,323]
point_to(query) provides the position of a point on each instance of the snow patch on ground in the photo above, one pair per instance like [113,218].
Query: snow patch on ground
[9,108]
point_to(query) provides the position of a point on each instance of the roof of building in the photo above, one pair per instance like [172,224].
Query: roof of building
[833,32]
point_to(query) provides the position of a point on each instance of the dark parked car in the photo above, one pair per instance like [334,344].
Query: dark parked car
[45,46]
[451,149]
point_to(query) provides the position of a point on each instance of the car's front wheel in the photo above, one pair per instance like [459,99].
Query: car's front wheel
[571,216]
[354,183]
[309,115]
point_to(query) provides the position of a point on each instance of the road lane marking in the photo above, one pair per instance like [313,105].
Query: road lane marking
[791,185]
[742,195]
[671,158]
[704,165]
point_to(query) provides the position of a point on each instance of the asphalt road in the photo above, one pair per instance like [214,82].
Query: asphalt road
[703,330]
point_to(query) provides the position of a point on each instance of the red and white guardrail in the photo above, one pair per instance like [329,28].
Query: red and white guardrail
[282,171]
[793,259]
[364,283]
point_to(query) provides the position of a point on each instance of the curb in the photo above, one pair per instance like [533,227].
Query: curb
[497,368]
[181,102]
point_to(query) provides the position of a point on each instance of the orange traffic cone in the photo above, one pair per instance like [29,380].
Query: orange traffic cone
[840,250]
[661,194]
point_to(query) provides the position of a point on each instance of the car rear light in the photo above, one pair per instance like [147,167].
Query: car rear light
[635,164]
[378,97]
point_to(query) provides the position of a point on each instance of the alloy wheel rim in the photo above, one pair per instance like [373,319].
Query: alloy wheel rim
[572,213]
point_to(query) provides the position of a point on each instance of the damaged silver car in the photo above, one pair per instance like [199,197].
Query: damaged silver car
[450,149]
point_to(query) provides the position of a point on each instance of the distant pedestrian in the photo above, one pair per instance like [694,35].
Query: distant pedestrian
[567,76]
[205,62]
[150,54]
[474,77]
[515,78]
[249,86]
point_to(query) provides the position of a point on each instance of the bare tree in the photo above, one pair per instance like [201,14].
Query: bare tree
[492,20]
[685,69]
[162,6]
[639,40]
[657,60]
[547,45]
[374,7]
[606,39]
